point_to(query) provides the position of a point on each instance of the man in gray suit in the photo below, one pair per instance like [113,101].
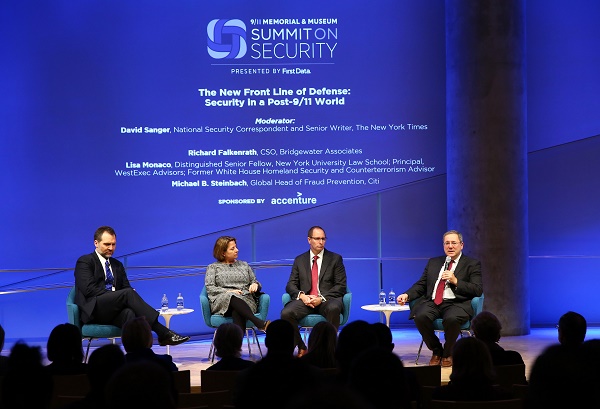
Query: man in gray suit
[316,285]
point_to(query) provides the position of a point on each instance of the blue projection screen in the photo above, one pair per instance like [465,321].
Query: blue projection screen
[169,120]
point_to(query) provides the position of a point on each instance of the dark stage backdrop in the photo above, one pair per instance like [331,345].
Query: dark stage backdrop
[178,122]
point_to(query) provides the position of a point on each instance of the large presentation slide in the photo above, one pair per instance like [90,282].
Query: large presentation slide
[176,119]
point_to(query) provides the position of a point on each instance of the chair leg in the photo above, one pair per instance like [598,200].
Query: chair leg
[305,333]
[211,351]
[87,351]
[255,340]
[419,353]
[248,341]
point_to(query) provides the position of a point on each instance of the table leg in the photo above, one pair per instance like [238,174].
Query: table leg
[387,313]
[167,323]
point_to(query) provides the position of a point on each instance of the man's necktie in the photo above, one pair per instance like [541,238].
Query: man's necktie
[439,291]
[314,289]
[109,277]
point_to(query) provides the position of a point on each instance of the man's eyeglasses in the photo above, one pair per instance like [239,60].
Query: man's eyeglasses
[319,238]
[453,243]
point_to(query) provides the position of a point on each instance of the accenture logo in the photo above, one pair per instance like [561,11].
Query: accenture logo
[226,39]
[298,200]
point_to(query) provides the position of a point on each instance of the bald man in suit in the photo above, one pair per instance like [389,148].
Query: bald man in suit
[458,278]
[322,297]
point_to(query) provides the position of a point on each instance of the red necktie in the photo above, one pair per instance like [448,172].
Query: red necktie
[314,289]
[439,291]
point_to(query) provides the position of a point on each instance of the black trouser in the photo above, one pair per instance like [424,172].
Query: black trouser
[241,312]
[117,307]
[452,319]
[295,310]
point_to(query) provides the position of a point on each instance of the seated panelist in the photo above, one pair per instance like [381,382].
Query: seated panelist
[231,285]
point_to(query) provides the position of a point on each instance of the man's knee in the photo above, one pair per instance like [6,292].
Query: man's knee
[332,313]
[286,314]
[128,314]
[421,319]
[451,322]
[128,292]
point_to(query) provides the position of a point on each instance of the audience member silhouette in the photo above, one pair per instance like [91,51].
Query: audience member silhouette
[136,337]
[102,364]
[64,350]
[143,384]
[26,384]
[385,340]
[228,346]
[566,374]
[3,359]
[487,328]
[330,397]
[354,338]
[384,336]
[560,375]
[279,377]
[378,374]
[572,328]
[321,345]
[589,373]
[554,379]
[472,377]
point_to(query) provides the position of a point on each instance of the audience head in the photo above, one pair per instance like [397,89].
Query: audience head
[556,378]
[103,363]
[280,338]
[572,328]
[322,342]
[323,332]
[136,334]
[384,336]
[143,384]
[26,383]
[378,375]
[486,327]
[228,340]
[285,378]
[472,362]
[590,376]
[64,344]
[355,337]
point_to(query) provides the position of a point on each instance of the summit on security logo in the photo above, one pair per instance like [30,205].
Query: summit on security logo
[226,39]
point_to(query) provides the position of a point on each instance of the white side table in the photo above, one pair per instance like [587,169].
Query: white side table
[168,314]
[386,309]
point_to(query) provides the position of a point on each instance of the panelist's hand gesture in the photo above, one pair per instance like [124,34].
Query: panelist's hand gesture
[402,299]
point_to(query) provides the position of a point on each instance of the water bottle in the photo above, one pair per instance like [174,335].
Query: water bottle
[382,299]
[164,303]
[392,298]
[180,302]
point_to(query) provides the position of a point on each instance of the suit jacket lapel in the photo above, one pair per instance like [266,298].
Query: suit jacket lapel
[324,264]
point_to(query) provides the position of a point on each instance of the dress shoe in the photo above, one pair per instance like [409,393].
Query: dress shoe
[301,352]
[435,360]
[447,361]
[172,338]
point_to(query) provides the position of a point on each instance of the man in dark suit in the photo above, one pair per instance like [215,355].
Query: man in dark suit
[446,288]
[104,294]
[321,296]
